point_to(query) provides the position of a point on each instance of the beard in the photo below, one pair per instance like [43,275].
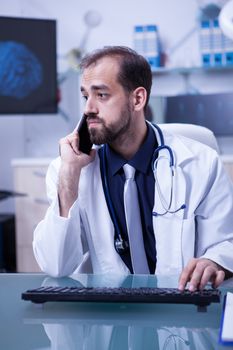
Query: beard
[116,130]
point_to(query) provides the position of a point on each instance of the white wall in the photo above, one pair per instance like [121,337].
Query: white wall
[38,136]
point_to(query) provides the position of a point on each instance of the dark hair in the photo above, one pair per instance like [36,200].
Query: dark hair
[134,69]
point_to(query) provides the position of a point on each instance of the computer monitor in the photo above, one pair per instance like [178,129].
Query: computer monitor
[28,74]
[214,111]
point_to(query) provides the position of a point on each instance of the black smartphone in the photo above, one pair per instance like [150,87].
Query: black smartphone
[85,143]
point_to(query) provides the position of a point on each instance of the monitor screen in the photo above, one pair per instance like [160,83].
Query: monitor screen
[214,111]
[28,74]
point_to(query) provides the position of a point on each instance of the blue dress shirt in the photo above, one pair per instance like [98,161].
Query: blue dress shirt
[144,178]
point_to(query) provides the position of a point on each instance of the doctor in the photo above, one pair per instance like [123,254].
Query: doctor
[185,197]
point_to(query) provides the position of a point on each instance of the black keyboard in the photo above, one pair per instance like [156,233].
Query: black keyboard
[121,294]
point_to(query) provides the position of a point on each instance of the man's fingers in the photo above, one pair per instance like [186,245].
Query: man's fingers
[199,272]
[210,273]
[187,273]
[72,140]
[201,276]
[75,143]
[220,275]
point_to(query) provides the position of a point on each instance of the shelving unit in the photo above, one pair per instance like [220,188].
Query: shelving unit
[188,73]
[191,70]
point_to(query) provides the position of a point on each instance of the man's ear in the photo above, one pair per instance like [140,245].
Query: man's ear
[139,98]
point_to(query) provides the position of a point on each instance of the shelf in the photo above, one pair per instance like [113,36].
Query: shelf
[191,70]
[190,86]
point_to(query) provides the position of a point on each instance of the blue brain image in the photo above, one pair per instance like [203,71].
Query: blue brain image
[20,70]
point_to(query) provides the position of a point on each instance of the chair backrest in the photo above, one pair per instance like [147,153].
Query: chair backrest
[195,132]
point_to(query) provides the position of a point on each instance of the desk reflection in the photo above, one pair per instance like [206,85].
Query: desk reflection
[103,337]
[102,326]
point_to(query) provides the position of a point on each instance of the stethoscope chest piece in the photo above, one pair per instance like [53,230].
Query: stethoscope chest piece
[121,246]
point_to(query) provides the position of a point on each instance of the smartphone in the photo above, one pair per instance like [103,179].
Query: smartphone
[85,143]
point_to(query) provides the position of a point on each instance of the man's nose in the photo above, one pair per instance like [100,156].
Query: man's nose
[90,107]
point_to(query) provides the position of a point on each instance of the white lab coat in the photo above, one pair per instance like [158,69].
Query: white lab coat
[84,242]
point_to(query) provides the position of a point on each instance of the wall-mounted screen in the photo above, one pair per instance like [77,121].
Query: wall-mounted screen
[214,111]
[28,74]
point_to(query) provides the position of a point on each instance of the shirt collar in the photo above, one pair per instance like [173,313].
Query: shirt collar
[140,161]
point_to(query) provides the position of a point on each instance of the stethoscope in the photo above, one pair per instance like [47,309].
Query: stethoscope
[155,159]
[175,339]
[121,244]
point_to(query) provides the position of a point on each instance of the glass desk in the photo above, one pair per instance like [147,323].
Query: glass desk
[67,325]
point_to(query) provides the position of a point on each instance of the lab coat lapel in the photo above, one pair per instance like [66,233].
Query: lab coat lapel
[168,227]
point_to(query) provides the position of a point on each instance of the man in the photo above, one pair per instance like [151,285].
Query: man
[191,235]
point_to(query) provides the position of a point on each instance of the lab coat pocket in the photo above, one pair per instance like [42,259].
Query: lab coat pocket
[174,244]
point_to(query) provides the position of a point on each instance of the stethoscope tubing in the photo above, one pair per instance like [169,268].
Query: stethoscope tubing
[120,243]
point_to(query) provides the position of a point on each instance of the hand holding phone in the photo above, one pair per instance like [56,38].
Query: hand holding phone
[85,143]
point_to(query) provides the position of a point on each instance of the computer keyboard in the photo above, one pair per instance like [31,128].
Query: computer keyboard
[121,294]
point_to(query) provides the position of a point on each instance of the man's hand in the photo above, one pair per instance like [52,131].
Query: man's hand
[72,162]
[69,151]
[199,272]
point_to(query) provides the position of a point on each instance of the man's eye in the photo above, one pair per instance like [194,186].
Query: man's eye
[102,95]
[84,97]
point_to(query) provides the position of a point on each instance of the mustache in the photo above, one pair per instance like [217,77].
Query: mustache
[92,116]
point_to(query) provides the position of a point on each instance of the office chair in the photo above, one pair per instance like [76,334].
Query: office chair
[195,132]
